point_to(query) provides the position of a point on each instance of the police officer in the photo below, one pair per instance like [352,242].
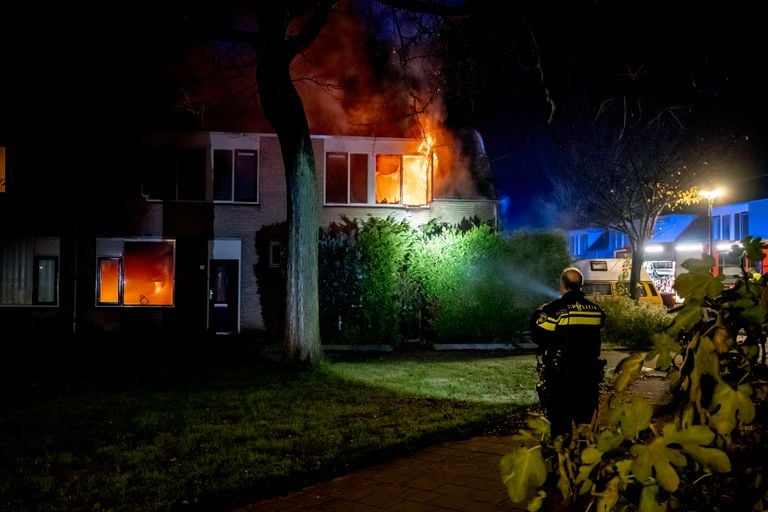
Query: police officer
[567,332]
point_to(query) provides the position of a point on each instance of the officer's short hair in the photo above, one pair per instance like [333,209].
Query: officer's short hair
[572,278]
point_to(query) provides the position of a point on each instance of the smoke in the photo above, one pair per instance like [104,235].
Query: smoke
[524,287]
[375,71]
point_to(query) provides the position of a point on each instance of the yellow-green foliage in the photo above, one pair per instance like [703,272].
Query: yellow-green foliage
[712,353]
[632,324]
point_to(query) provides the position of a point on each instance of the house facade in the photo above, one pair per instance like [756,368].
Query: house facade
[168,244]
[680,236]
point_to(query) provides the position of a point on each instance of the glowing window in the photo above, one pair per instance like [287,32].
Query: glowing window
[135,273]
[148,274]
[417,180]
[109,281]
[388,169]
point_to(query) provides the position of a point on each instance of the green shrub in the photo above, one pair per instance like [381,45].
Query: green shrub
[480,287]
[366,295]
[632,324]
[340,274]
[271,279]
[384,247]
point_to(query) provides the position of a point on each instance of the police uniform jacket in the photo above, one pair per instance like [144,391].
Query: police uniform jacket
[567,331]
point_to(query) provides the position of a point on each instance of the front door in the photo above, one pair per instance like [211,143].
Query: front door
[223,296]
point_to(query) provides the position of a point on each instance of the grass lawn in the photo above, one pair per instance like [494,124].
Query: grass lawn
[213,432]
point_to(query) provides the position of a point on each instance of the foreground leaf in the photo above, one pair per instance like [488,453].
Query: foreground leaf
[632,417]
[734,406]
[628,370]
[522,470]
[658,458]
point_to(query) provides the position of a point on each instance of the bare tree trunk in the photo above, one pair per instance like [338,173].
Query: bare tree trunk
[285,111]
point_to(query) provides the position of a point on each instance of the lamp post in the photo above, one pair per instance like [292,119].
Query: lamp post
[710,196]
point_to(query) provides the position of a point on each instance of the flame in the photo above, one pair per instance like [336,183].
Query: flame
[419,169]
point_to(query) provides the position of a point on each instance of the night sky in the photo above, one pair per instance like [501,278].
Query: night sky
[115,72]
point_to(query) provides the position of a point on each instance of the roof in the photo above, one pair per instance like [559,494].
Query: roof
[669,227]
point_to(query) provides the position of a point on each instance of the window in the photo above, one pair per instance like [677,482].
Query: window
[740,225]
[235,175]
[597,289]
[109,274]
[275,253]
[618,239]
[396,179]
[29,273]
[388,179]
[744,225]
[583,245]
[716,228]
[726,227]
[175,174]
[346,178]
[135,273]
[2,169]
[45,280]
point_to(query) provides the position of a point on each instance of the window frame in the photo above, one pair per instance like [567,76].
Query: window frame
[168,163]
[349,183]
[119,260]
[233,172]
[33,289]
[111,255]
[36,280]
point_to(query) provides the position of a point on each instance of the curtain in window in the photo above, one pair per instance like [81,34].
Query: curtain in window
[16,275]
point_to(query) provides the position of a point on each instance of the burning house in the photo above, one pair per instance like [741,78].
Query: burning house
[173,248]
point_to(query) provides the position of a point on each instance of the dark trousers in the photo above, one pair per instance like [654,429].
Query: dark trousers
[572,400]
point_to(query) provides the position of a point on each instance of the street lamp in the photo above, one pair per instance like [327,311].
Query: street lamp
[710,196]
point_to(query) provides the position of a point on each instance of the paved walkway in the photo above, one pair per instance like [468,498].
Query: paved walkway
[457,476]
[460,476]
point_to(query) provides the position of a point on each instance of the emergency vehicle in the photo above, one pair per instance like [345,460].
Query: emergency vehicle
[603,277]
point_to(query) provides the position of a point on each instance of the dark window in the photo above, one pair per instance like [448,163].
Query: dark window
[726,227]
[29,273]
[275,253]
[346,178]
[737,226]
[716,228]
[336,165]
[744,225]
[160,174]
[583,244]
[45,286]
[358,178]
[222,174]
[191,174]
[171,173]
[246,176]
